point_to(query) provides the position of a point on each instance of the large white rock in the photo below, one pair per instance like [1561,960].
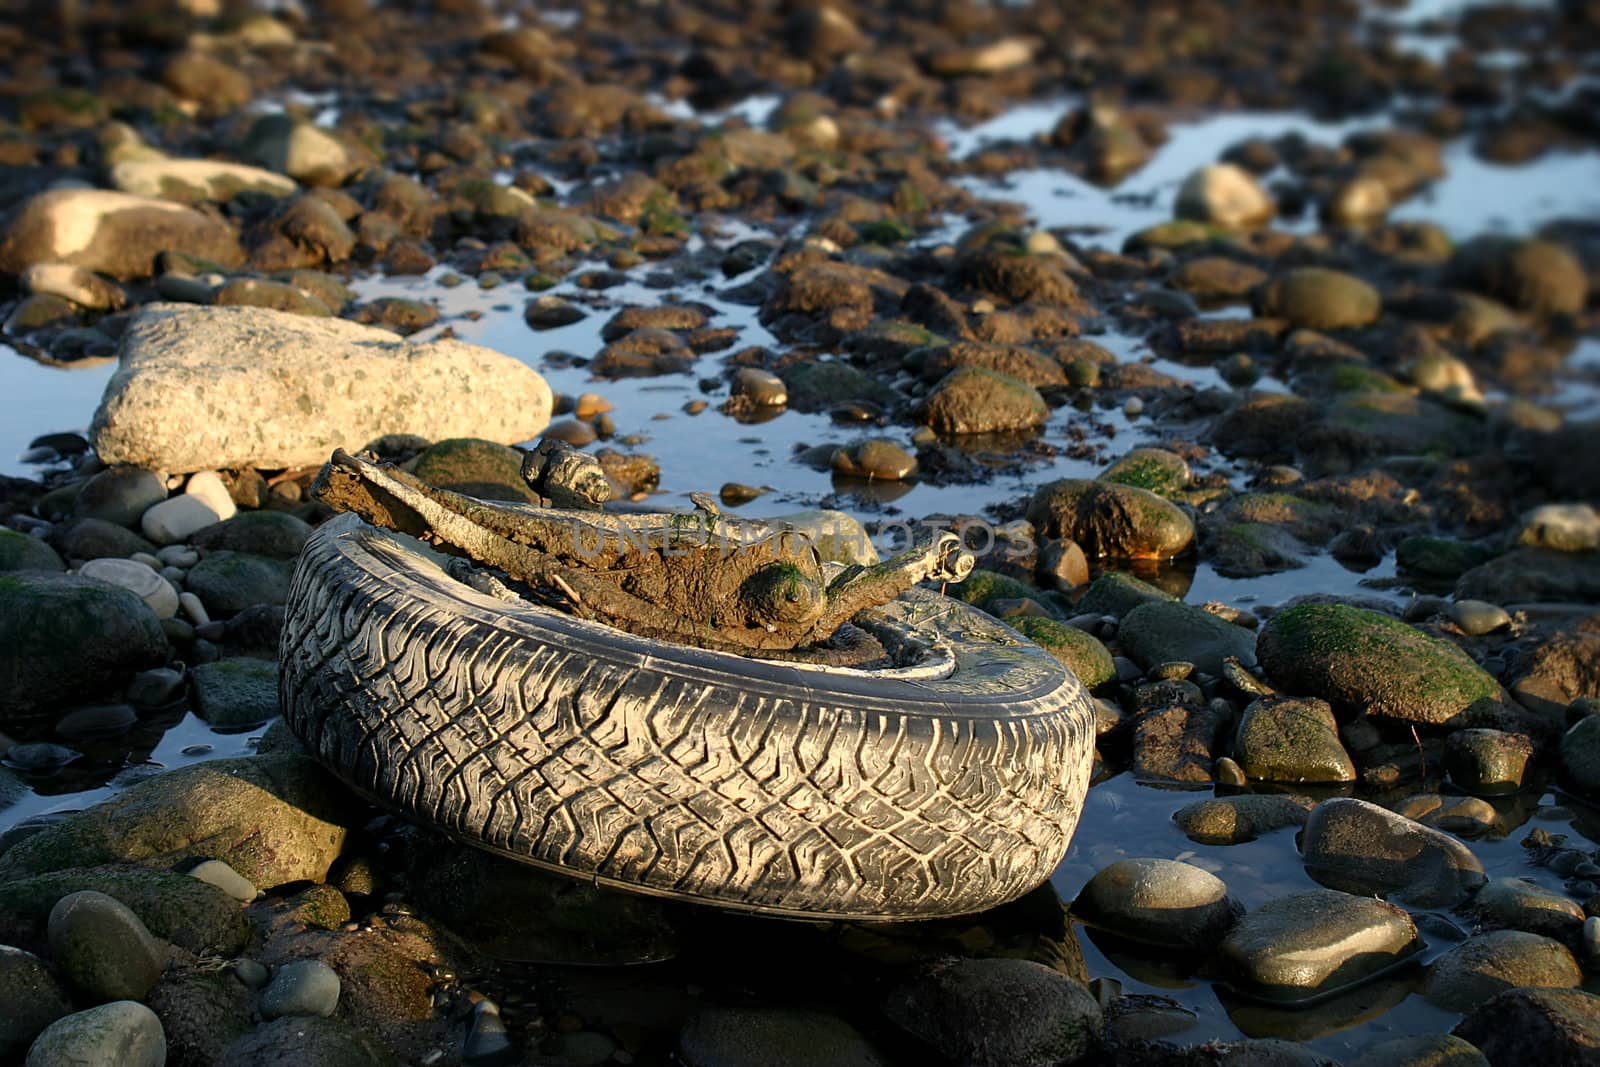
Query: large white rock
[111,232]
[177,518]
[221,388]
[207,485]
[1223,195]
[188,180]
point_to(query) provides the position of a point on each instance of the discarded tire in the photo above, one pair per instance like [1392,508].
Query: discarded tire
[771,787]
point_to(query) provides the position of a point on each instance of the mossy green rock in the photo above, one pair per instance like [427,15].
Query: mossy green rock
[1115,593]
[1360,660]
[229,582]
[817,386]
[975,400]
[1107,519]
[1388,423]
[274,819]
[237,692]
[1438,557]
[1163,631]
[20,552]
[1248,549]
[69,639]
[475,467]
[1161,472]
[1319,299]
[174,907]
[1080,652]
[1291,739]
[275,534]
[982,586]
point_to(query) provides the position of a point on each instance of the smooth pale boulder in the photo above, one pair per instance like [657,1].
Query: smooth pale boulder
[1224,195]
[189,180]
[80,286]
[235,387]
[1159,902]
[111,233]
[124,1033]
[138,579]
[176,518]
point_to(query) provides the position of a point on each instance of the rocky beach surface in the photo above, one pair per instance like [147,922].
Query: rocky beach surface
[1256,349]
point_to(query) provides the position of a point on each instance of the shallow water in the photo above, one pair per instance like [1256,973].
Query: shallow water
[1121,818]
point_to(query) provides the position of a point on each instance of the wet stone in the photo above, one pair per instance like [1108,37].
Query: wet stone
[997,1012]
[1359,847]
[304,987]
[1476,970]
[120,495]
[1311,944]
[1519,904]
[102,949]
[1421,1050]
[1159,902]
[1537,1026]
[1487,762]
[1164,631]
[1232,820]
[33,1000]
[1291,740]
[1580,754]
[124,1033]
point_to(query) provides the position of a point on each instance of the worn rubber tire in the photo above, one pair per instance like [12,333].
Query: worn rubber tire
[747,784]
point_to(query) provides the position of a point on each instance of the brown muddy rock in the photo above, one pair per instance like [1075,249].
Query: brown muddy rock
[207,81]
[1236,819]
[1018,277]
[1490,963]
[295,1040]
[973,400]
[1013,359]
[1218,278]
[642,353]
[111,233]
[934,309]
[273,819]
[1175,744]
[1550,1027]
[308,232]
[663,317]
[822,33]
[1530,274]
[1109,519]
[1358,847]
[1319,299]
[200,1012]
[1534,574]
[587,111]
[1563,668]
[1262,426]
[840,295]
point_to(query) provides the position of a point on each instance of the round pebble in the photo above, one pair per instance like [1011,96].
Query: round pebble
[138,579]
[304,987]
[1478,617]
[123,1033]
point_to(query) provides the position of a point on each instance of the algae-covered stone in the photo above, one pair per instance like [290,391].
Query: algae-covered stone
[1291,740]
[70,639]
[304,1039]
[235,693]
[1580,754]
[475,467]
[20,552]
[102,949]
[229,582]
[1236,819]
[1420,1050]
[1080,652]
[123,1032]
[1163,631]
[1108,519]
[1115,593]
[1363,661]
[1537,1026]
[223,388]
[982,586]
[1518,904]
[1438,557]
[1314,943]
[1161,472]
[276,534]
[174,907]
[1319,299]
[1018,361]
[817,386]
[32,997]
[974,400]
[274,819]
